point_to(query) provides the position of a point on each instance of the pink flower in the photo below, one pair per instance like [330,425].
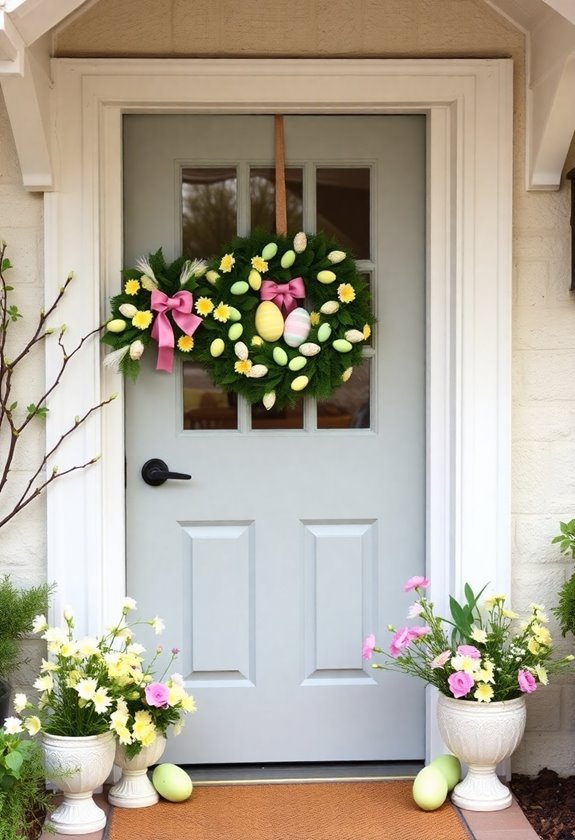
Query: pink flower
[416,582]
[441,659]
[526,682]
[418,632]
[460,683]
[399,641]
[157,695]
[468,650]
[368,647]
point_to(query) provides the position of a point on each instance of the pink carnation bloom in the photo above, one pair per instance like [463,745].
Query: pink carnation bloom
[526,682]
[460,683]
[399,641]
[368,646]
[418,632]
[416,582]
[441,659]
[157,695]
[468,650]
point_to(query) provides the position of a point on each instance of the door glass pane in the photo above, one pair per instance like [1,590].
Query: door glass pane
[367,278]
[205,405]
[263,198]
[343,205]
[349,406]
[284,418]
[209,210]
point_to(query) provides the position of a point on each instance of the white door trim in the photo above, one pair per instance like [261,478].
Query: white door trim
[469,288]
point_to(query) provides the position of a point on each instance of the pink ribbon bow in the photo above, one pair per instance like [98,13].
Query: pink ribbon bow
[180,305]
[283,294]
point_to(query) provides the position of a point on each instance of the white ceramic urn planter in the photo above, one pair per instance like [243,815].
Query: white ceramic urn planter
[481,735]
[78,765]
[135,790]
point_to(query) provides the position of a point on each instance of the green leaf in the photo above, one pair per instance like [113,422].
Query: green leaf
[6,264]
[13,313]
[13,762]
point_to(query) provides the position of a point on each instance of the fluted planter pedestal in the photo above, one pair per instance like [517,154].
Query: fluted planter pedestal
[135,790]
[481,735]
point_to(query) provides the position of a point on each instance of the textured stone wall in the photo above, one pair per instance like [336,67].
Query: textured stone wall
[543,308]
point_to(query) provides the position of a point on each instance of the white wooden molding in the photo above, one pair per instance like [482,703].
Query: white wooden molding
[469,289]
[34,18]
[563,7]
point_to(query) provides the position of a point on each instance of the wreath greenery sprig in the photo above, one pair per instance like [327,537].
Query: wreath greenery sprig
[271,318]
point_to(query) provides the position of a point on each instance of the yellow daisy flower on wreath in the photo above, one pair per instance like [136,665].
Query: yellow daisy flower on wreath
[185,343]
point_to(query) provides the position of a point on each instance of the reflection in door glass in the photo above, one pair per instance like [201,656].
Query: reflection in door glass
[282,418]
[349,406]
[209,210]
[343,205]
[263,198]
[205,405]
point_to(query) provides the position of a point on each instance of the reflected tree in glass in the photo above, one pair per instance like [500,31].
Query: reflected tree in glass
[209,210]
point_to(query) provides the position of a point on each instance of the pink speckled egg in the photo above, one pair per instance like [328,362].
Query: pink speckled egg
[297,327]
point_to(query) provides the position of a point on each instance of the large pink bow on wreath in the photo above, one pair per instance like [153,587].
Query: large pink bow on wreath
[180,305]
[283,295]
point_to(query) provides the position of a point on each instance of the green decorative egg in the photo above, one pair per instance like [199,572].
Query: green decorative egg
[269,251]
[280,356]
[341,345]
[116,326]
[217,347]
[429,789]
[287,259]
[323,333]
[297,363]
[269,321]
[326,276]
[255,280]
[172,782]
[240,287]
[299,383]
[235,331]
[235,314]
[450,766]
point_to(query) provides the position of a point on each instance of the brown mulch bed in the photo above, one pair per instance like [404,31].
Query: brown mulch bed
[548,802]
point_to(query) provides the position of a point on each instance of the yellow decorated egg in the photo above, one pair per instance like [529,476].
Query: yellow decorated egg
[172,782]
[269,321]
[326,276]
[217,347]
[297,327]
[299,383]
[116,326]
[240,287]
[450,766]
[429,789]
[255,280]
[297,363]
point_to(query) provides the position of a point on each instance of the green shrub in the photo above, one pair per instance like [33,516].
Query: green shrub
[565,609]
[24,800]
[18,607]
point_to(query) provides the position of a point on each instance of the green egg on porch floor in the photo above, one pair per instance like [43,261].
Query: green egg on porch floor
[429,789]
[172,783]
[450,766]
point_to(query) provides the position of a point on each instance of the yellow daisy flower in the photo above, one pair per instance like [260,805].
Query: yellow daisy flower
[346,292]
[533,646]
[185,343]
[366,331]
[243,366]
[541,673]
[142,320]
[222,312]
[204,306]
[227,263]
[259,264]
[483,693]
[132,287]
[314,318]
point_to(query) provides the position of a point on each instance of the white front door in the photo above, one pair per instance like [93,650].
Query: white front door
[297,530]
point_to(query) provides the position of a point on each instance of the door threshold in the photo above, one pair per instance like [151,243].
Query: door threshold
[304,772]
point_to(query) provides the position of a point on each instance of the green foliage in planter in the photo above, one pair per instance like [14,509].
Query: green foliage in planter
[565,609]
[17,610]
[24,800]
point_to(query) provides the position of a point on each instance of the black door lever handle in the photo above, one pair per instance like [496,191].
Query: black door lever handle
[156,472]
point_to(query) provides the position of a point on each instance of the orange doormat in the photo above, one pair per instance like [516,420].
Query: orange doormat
[308,811]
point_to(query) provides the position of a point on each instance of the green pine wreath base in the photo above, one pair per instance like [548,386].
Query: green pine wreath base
[325,371]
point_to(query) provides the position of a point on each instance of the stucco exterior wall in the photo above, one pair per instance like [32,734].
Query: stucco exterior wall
[544,338]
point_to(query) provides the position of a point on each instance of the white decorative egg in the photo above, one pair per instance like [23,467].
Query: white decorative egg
[354,336]
[241,350]
[257,371]
[297,327]
[309,349]
[330,307]
[269,400]
[300,242]
[269,321]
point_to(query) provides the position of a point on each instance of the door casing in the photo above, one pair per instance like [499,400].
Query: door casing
[469,109]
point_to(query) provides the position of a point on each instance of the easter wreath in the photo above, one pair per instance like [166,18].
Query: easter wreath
[269,319]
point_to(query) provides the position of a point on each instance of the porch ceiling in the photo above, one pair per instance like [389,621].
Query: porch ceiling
[549,27]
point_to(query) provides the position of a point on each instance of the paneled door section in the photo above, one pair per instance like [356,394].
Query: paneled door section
[297,530]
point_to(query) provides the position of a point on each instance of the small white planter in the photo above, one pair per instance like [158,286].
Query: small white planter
[78,766]
[135,790]
[481,735]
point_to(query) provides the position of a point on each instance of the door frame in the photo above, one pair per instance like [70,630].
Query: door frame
[469,237]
